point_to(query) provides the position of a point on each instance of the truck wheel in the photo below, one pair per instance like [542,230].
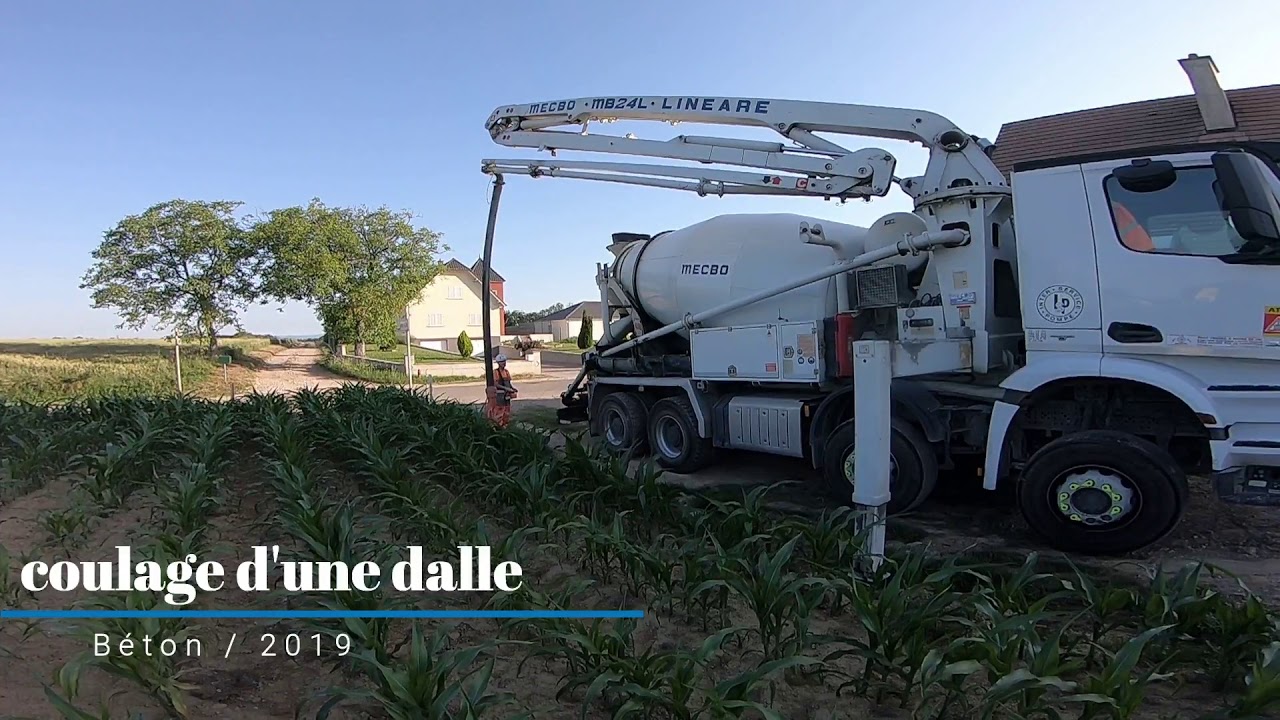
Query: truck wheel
[623,423]
[913,469]
[673,437]
[1102,492]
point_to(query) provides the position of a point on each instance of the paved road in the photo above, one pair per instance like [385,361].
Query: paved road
[548,388]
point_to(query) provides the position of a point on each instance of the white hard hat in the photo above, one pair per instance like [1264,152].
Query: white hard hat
[501,358]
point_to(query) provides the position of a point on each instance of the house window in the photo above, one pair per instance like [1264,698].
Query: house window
[455,292]
[474,320]
[435,320]
[1184,218]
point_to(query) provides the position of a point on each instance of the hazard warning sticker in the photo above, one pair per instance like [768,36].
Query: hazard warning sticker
[1271,321]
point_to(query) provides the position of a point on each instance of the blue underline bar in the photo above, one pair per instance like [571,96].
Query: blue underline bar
[317,614]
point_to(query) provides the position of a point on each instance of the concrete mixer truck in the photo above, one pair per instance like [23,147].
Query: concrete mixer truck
[1020,324]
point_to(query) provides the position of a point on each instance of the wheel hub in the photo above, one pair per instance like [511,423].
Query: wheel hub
[669,437]
[615,427]
[1094,497]
[849,471]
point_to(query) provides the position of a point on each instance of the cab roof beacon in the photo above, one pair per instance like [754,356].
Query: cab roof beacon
[1118,339]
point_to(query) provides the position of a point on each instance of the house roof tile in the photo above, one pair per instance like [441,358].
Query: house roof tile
[477,269]
[453,265]
[1145,124]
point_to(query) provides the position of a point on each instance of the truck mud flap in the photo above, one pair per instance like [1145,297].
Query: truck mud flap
[571,414]
[1253,485]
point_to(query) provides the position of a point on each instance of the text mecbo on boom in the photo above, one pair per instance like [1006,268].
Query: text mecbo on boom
[691,104]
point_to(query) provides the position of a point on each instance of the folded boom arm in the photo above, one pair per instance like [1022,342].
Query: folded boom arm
[814,166]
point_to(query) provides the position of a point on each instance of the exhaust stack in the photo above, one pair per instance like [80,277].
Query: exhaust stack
[1215,108]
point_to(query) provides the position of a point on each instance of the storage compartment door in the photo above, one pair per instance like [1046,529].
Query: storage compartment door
[735,353]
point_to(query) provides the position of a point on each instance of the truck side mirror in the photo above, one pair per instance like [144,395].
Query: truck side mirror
[1144,175]
[1246,195]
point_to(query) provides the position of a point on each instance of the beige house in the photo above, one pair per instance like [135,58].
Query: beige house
[450,305]
[566,324]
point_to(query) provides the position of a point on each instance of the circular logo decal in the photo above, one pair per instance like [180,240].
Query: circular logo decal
[1060,304]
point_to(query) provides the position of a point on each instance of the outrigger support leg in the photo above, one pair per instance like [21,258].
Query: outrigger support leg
[872,377]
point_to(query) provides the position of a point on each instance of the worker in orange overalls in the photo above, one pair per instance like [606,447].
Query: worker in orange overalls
[1131,232]
[501,393]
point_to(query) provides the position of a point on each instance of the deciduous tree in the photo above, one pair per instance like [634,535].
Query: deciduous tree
[363,266]
[184,266]
[586,332]
[519,317]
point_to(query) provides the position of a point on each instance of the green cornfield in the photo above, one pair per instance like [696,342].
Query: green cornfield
[750,613]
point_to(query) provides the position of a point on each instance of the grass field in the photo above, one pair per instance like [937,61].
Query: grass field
[422,355]
[748,613]
[56,370]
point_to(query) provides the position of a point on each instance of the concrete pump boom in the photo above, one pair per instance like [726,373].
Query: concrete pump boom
[958,163]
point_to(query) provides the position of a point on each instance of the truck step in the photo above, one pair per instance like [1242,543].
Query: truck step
[1254,485]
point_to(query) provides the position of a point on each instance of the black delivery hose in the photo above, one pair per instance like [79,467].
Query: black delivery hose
[486,294]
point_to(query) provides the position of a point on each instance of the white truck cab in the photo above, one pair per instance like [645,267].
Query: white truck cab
[1147,309]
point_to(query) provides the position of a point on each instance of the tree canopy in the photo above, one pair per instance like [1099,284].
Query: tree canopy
[185,266]
[519,317]
[192,266]
[358,267]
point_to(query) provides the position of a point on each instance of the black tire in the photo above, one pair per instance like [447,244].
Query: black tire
[1147,503]
[624,423]
[673,437]
[915,466]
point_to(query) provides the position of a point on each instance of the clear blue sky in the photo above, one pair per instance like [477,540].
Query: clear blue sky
[109,107]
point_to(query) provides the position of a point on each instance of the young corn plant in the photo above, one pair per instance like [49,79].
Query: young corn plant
[433,682]
[12,593]
[159,676]
[734,522]
[30,457]
[1119,688]
[189,498]
[1107,607]
[1024,591]
[704,563]
[584,649]
[530,492]
[1180,599]
[671,689]
[511,547]
[673,684]
[901,608]
[942,684]
[1261,696]
[782,601]
[69,528]
[1027,685]
[68,710]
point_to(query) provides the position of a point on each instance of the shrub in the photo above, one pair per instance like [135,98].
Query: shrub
[585,338]
[464,344]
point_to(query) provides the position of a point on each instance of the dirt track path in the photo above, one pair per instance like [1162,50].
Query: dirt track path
[294,369]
